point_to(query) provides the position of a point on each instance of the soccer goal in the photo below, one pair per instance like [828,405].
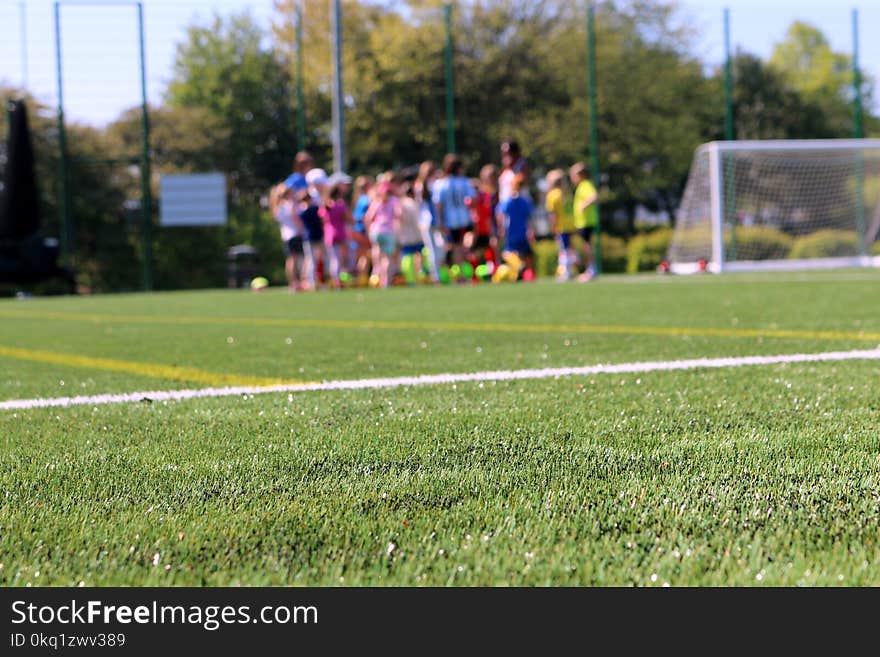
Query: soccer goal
[779,205]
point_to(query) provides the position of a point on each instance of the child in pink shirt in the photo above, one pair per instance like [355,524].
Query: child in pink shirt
[382,220]
[337,218]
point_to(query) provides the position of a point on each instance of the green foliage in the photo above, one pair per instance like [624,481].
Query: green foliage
[820,75]
[182,139]
[614,254]
[546,254]
[875,248]
[613,250]
[759,243]
[826,244]
[196,257]
[766,106]
[256,227]
[646,251]
[225,69]
[751,243]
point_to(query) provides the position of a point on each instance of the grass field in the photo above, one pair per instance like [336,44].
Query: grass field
[745,476]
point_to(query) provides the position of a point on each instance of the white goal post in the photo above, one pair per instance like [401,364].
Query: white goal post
[779,205]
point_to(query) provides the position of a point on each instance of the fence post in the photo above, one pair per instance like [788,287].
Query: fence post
[66,228]
[594,129]
[146,195]
[300,101]
[450,90]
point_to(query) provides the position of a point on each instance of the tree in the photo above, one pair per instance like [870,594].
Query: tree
[766,106]
[226,70]
[823,77]
[655,106]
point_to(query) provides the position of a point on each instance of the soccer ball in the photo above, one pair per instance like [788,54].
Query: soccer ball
[259,284]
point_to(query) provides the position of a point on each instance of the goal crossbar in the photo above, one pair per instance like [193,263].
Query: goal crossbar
[792,145]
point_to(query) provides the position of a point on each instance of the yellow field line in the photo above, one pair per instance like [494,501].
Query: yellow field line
[171,372]
[448,326]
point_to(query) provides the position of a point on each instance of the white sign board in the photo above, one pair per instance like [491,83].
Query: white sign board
[194,199]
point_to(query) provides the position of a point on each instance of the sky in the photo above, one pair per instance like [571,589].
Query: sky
[101,60]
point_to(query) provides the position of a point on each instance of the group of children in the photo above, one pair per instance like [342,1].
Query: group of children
[437,226]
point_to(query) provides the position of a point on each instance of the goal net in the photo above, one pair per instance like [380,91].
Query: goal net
[786,204]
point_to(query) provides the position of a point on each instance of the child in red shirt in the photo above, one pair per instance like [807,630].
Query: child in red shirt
[484,241]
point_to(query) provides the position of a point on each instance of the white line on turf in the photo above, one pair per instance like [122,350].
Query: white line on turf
[439,379]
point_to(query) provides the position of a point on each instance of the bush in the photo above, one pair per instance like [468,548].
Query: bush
[612,249]
[751,243]
[760,243]
[193,257]
[875,248]
[614,254]
[546,256]
[646,251]
[826,244]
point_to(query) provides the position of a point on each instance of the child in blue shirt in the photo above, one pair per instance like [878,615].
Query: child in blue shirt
[513,216]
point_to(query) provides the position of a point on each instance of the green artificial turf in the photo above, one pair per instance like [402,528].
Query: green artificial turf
[759,475]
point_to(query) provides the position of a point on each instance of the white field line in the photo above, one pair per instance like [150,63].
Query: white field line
[438,379]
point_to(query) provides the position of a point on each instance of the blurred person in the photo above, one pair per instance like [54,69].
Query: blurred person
[558,204]
[387,177]
[283,209]
[316,179]
[432,237]
[337,219]
[482,207]
[409,234]
[313,245]
[363,196]
[514,216]
[586,214]
[512,164]
[302,163]
[382,221]
[450,195]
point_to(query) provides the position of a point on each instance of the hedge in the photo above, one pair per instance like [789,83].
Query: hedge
[751,243]
[646,251]
[612,249]
[759,243]
[826,244]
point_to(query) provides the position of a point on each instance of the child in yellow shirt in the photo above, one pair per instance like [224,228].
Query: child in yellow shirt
[559,211]
[586,213]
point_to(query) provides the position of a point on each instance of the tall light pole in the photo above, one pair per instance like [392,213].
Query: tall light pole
[300,98]
[338,110]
